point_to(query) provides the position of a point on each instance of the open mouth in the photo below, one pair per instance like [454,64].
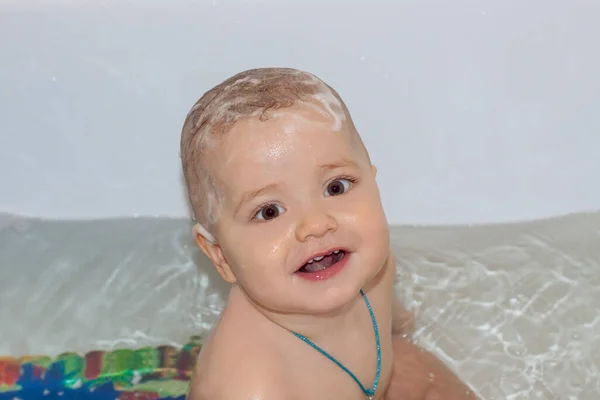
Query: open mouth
[321,263]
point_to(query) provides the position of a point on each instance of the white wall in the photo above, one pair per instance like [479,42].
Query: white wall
[473,110]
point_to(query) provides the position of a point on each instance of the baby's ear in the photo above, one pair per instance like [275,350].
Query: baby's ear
[374,169]
[213,251]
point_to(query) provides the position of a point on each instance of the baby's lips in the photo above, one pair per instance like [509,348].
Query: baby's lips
[330,250]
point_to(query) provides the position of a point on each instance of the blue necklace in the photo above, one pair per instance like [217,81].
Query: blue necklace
[368,392]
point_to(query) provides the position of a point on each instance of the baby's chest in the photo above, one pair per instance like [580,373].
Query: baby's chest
[325,379]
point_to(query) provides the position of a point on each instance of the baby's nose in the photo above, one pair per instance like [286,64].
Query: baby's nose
[316,224]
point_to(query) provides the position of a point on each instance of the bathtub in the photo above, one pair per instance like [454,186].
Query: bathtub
[481,117]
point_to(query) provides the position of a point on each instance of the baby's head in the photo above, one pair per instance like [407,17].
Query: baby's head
[277,175]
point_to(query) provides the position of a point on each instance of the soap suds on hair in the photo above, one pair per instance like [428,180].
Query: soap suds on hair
[199,229]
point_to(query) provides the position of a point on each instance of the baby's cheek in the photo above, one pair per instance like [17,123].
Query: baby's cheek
[279,242]
[366,219]
[375,222]
[261,250]
[379,238]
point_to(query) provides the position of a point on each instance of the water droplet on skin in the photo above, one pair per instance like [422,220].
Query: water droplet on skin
[431,376]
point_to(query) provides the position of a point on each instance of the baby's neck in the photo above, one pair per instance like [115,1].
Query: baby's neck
[345,319]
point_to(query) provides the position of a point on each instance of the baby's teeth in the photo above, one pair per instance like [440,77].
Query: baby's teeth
[321,257]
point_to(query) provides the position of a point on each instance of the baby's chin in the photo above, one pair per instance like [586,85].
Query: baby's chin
[334,298]
[333,302]
[307,301]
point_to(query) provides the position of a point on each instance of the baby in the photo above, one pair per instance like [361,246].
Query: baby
[288,210]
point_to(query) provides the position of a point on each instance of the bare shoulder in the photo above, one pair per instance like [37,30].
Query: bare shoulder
[242,379]
[419,375]
[239,371]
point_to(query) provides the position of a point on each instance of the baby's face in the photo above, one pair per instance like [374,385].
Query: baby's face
[296,189]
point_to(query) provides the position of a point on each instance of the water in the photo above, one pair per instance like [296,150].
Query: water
[514,309]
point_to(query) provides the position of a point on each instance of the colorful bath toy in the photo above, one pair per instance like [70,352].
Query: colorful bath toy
[148,373]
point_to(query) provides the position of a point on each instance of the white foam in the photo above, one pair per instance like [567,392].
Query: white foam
[225,108]
[199,229]
[254,81]
[327,100]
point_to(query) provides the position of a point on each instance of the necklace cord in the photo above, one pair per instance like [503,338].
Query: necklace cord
[371,391]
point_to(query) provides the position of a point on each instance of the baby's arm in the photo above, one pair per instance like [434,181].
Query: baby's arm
[418,375]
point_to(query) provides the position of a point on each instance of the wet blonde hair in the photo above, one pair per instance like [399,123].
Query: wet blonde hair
[251,93]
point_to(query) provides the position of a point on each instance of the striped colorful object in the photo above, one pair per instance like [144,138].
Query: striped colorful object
[149,373]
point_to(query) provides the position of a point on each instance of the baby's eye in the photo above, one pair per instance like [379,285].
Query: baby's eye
[268,212]
[338,187]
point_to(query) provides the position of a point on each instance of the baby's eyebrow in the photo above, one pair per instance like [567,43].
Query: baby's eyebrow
[250,195]
[339,164]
